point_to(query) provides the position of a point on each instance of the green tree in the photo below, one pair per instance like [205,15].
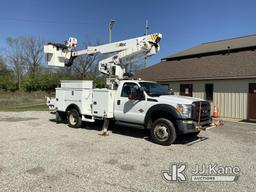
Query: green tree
[7,78]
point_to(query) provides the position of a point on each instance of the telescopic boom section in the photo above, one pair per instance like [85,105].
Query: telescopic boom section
[123,53]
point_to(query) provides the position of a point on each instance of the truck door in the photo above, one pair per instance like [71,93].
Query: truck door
[129,110]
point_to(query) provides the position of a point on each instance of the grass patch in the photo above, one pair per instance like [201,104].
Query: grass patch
[23,101]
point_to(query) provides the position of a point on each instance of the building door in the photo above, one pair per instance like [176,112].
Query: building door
[252,101]
[186,90]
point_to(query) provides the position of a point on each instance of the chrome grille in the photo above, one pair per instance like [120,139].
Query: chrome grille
[205,113]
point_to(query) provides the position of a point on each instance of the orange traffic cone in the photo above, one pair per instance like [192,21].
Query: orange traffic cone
[215,113]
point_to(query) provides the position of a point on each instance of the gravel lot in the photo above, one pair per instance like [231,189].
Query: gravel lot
[36,154]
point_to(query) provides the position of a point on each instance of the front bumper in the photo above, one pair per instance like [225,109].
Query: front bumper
[186,126]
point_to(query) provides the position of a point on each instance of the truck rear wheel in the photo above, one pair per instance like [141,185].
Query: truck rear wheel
[163,132]
[74,119]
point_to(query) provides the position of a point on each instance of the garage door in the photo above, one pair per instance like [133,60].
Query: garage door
[252,101]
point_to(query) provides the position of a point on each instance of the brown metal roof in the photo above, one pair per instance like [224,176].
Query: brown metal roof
[234,65]
[216,47]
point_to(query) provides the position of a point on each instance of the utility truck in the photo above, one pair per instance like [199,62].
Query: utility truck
[125,100]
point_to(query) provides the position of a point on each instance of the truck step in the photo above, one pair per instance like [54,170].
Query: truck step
[88,119]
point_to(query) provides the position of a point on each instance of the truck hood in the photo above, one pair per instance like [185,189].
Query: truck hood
[173,99]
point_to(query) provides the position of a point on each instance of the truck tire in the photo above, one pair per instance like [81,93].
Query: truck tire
[74,119]
[163,132]
[60,117]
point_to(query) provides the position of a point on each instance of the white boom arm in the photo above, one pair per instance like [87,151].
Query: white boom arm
[124,52]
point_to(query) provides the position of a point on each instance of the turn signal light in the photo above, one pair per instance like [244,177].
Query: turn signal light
[180,108]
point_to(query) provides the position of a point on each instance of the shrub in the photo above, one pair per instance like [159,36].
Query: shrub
[43,82]
[8,81]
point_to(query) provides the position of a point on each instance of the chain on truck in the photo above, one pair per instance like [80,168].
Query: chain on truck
[144,104]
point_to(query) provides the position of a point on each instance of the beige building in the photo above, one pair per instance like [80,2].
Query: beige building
[222,72]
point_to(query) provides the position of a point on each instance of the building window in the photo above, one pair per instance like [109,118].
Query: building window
[209,92]
[186,90]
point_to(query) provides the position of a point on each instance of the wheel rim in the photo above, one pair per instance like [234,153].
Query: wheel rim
[72,119]
[161,132]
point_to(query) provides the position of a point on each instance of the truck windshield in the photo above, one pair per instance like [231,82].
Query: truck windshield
[154,89]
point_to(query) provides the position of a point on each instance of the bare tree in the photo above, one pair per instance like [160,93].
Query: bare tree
[24,55]
[86,66]
[15,58]
[32,53]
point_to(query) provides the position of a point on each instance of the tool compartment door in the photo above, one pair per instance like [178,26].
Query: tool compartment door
[103,103]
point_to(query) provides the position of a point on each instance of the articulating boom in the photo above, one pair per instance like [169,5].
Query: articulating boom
[123,53]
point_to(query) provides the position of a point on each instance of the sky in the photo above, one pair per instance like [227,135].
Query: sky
[183,23]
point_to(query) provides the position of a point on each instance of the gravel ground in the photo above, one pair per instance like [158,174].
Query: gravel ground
[36,154]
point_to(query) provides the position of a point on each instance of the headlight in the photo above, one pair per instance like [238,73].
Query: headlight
[185,110]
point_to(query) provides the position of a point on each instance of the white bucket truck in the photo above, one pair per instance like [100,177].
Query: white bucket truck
[127,101]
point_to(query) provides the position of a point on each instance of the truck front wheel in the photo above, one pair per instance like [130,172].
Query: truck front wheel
[163,132]
[74,119]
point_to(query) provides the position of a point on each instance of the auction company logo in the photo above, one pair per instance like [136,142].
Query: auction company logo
[204,172]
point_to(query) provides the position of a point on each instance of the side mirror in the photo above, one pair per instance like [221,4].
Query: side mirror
[141,95]
[171,92]
[141,89]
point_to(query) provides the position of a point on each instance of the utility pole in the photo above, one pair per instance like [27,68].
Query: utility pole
[146,33]
[110,27]
[147,27]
